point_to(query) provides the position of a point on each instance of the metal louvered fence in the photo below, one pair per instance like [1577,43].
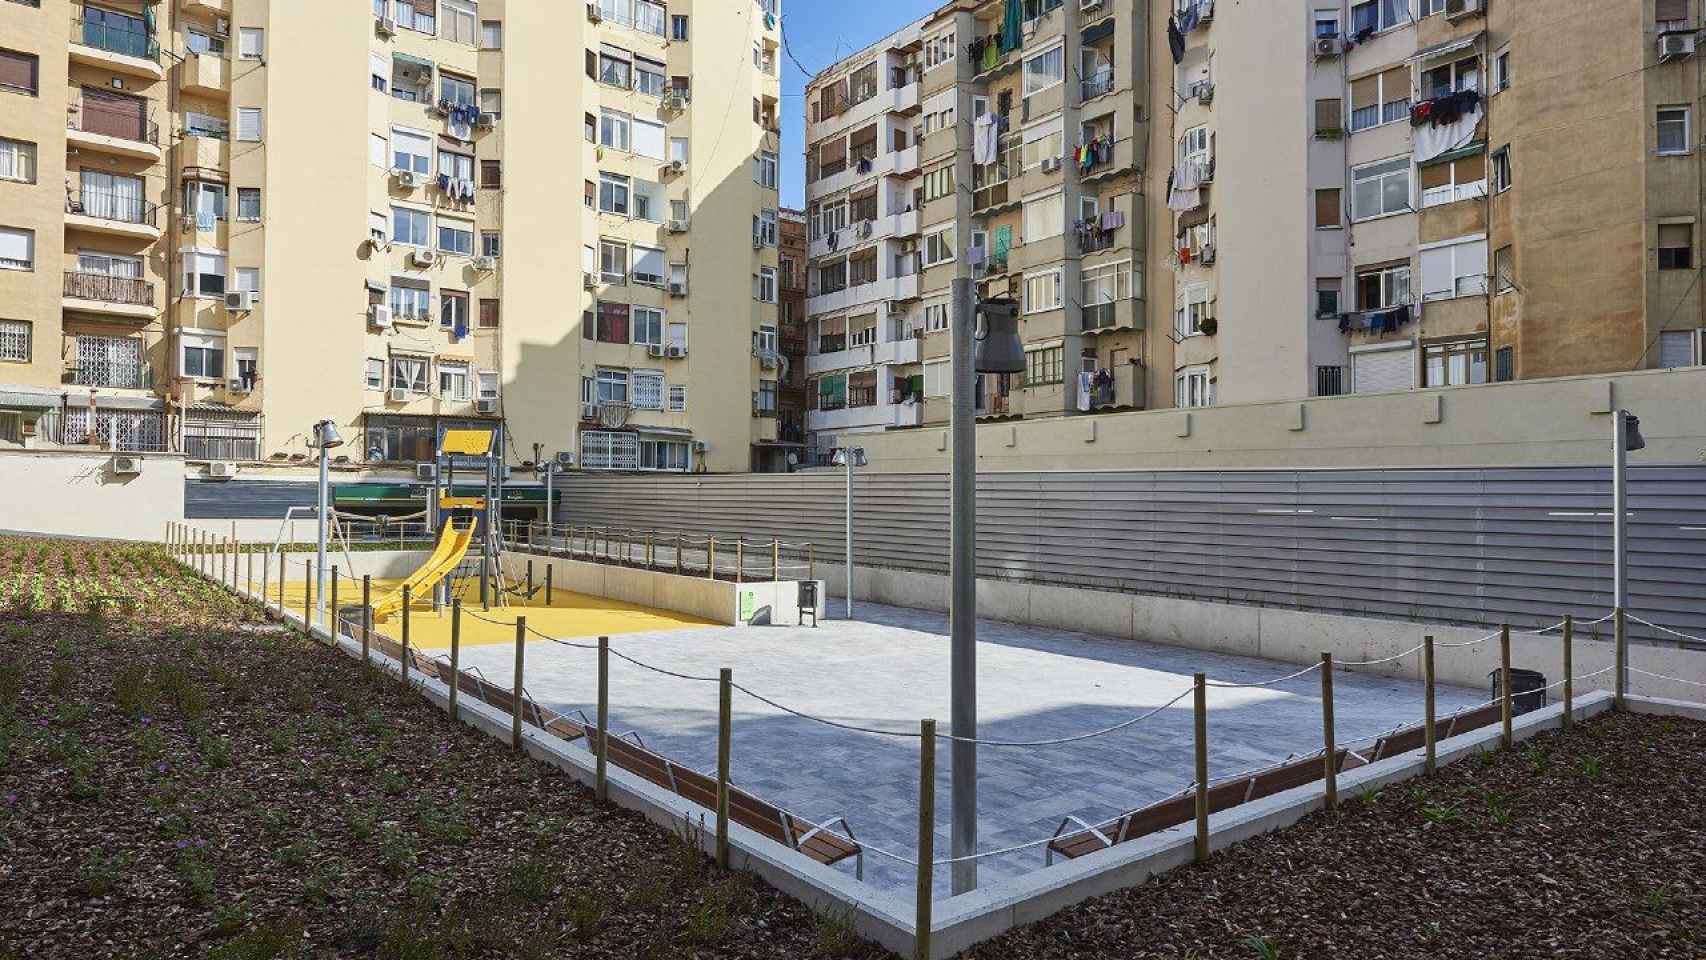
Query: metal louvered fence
[1523,545]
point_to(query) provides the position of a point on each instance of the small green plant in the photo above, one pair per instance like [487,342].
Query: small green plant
[216,752]
[533,880]
[719,907]
[1441,813]
[833,934]
[584,910]
[297,854]
[1262,947]
[195,871]
[1658,899]
[361,823]
[99,876]
[228,918]
[397,854]
[1499,808]
[265,942]
[132,693]
[1592,768]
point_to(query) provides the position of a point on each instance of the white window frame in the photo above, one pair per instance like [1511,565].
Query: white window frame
[491,35]
[1406,169]
[453,378]
[1468,271]
[615,129]
[403,157]
[191,279]
[1190,311]
[1193,386]
[1452,191]
[654,322]
[1500,173]
[244,117]
[1044,229]
[764,287]
[456,231]
[17,160]
[937,247]
[251,43]
[401,369]
[646,389]
[209,345]
[608,186]
[1107,283]
[1044,290]
[16,341]
[1055,54]
[764,169]
[1659,123]
[398,218]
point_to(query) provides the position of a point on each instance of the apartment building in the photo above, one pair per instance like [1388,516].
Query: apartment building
[786,395]
[1000,141]
[405,216]
[1389,194]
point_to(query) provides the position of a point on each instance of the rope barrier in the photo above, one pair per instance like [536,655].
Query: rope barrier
[1660,676]
[1265,683]
[1674,633]
[1371,663]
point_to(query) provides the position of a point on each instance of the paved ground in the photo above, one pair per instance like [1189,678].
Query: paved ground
[890,668]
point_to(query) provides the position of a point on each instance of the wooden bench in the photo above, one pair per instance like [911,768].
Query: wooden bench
[634,758]
[772,822]
[1291,775]
[1473,720]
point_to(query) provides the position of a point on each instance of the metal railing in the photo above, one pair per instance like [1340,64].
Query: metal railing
[108,205]
[109,289]
[114,39]
[106,123]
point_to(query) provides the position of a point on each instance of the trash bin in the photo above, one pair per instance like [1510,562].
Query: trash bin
[1528,689]
[808,601]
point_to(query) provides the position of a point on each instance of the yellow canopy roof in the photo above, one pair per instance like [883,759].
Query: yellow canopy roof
[473,443]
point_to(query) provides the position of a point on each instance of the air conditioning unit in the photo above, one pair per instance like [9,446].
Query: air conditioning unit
[426,471]
[1205,92]
[127,466]
[489,405]
[655,349]
[422,258]
[678,226]
[379,315]
[674,102]
[757,242]
[397,395]
[222,26]
[565,459]
[1207,253]
[1326,47]
[385,26]
[486,121]
[674,166]
[676,351]
[678,289]
[700,446]
[221,470]
[485,263]
[1051,164]
[237,385]
[768,361]
[1675,46]
[593,13]
[439,109]
[407,179]
[1458,9]
[589,281]
[241,301]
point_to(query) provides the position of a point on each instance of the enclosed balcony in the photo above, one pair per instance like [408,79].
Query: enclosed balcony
[119,213]
[111,296]
[116,41]
[207,74]
[113,124]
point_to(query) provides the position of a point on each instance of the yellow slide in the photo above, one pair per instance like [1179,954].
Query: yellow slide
[452,545]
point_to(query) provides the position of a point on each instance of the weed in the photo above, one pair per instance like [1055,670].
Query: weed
[60,673]
[447,825]
[585,911]
[216,752]
[397,854]
[1592,768]
[297,854]
[274,822]
[1500,809]
[393,783]
[228,918]
[533,880]
[83,782]
[132,693]
[714,915]
[1656,900]
[99,876]
[361,823]
[194,870]
[1262,947]
[266,942]
[1441,813]
[833,934]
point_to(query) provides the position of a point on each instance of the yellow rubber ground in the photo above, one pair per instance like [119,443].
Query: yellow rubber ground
[569,615]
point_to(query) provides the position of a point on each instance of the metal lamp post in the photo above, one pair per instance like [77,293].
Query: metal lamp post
[1625,438]
[325,438]
[850,457]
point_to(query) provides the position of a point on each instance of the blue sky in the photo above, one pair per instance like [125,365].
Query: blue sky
[820,32]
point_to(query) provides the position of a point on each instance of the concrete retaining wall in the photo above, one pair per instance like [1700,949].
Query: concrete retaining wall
[719,601]
[75,493]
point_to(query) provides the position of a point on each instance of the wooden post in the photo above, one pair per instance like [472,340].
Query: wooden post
[1569,671]
[234,542]
[332,606]
[926,836]
[223,555]
[1621,670]
[1331,774]
[517,702]
[1430,732]
[404,658]
[725,731]
[710,558]
[678,542]
[740,559]
[366,616]
[600,784]
[649,546]
[1201,703]
[530,575]
[775,559]
[283,565]
[549,569]
[1505,685]
[455,658]
[249,569]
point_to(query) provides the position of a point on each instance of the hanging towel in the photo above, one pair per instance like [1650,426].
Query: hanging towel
[1113,220]
[1003,243]
[1175,40]
[1084,382]
[984,140]
[1435,138]
[1189,17]
[204,219]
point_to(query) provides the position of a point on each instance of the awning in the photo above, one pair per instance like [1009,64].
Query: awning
[1470,150]
[1449,46]
[26,398]
[104,402]
[1191,218]
[678,433]
[412,61]
[1098,32]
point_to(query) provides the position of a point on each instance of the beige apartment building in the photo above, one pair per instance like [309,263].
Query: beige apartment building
[1199,202]
[224,220]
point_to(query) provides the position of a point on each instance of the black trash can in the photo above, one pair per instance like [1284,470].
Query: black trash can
[808,601]
[1528,689]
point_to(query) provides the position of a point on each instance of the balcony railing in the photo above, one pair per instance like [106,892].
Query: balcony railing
[87,119]
[109,289]
[1102,81]
[108,205]
[862,396]
[114,38]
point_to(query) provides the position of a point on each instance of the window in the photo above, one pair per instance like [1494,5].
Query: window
[1501,173]
[460,21]
[411,299]
[1045,70]
[1045,217]
[648,266]
[248,203]
[379,72]
[1380,98]
[613,129]
[411,150]
[648,17]
[19,72]
[15,340]
[1504,364]
[1380,189]
[410,226]
[648,326]
[1047,365]
[613,193]
[17,160]
[648,389]
[417,15]
[1673,130]
[1676,348]
[612,386]
[939,183]
[1189,314]
[939,49]
[1329,117]
[650,77]
[1669,15]
[678,396]
[939,247]
[491,35]
[938,379]
[1042,291]
[456,166]
[1044,141]
[663,455]
[204,273]
[764,285]
[375,375]
[456,237]
[488,314]
[203,125]
[492,102]
[1454,364]
[615,67]
[678,27]
[201,356]
[764,169]
[1329,380]
[1464,178]
[1457,268]
[935,317]
[1327,291]
[409,373]
[1326,23]
[1676,246]
[453,310]
[1107,283]
[491,244]
[199,42]
[251,43]
[764,227]
[613,261]
[678,149]
[1193,388]
[648,201]
[204,203]
[1377,15]
[247,278]
[1193,146]
[1382,287]
[1504,269]
[649,139]
[1328,211]
[454,89]
[249,124]
[1502,70]
[1464,74]
[452,381]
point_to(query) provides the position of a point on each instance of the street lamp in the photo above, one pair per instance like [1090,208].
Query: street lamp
[548,469]
[1625,438]
[850,457]
[325,438]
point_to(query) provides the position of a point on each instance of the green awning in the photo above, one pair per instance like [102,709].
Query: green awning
[1479,146]
[415,494]
[412,61]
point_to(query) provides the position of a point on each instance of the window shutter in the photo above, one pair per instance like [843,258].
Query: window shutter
[1328,114]
[1396,84]
[1365,92]
[1471,168]
[592,64]
[1435,175]
[488,313]
[1328,212]
[1670,10]
[17,70]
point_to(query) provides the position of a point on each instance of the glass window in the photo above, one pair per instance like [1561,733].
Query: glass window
[249,124]
[457,238]
[1383,287]
[204,274]
[648,389]
[1454,364]
[1045,217]
[615,68]
[613,193]
[491,35]
[409,373]
[411,299]
[199,42]
[678,27]
[613,261]
[1501,172]
[764,285]
[17,160]
[764,169]
[1042,291]
[202,357]
[491,243]
[1047,365]
[648,17]
[15,340]
[650,77]
[411,150]
[460,21]
[374,378]
[410,226]
[492,102]
[1045,70]
[417,15]
[455,90]
[939,247]
[648,326]
[248,203]
[648,266]
[1673,130]
[1192,387]
[1381,188]
[453,381]
[453,309]
[613,127]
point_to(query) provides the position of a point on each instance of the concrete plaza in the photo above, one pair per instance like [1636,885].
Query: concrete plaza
[889,668]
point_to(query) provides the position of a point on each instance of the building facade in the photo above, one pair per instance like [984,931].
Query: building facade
[790,348]
[272,215]
[1197,202]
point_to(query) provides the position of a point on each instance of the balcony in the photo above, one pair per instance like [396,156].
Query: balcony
[115,47]
[888,288]
[904,98]
[864,355]
[907,414]
[114,214]
[1121,388]
[1099,83]
[1114,317]
[207,152]
[845,417]
[214,7]
[883,164]
[1111,158]
[207,74]
[94,128]
[855,234]
[99,293]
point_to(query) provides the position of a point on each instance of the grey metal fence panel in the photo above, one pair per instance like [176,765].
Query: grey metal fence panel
[1461,545]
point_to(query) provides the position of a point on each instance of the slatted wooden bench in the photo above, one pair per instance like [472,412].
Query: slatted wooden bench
[816,841]
[635,759]
[1474,719]
[1291,775]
